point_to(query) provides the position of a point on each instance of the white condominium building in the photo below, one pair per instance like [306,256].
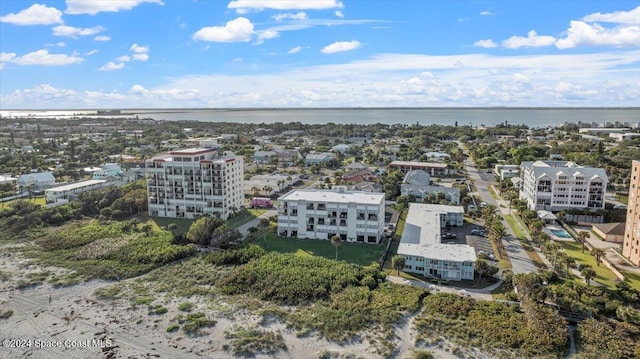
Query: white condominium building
[321,214]
[192,182]
[423,248]
[558,185]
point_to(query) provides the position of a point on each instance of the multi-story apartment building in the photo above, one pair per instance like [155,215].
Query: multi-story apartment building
[423,248]
[558,185]
[321,214]
[433,169]
[192,182]
[631,244]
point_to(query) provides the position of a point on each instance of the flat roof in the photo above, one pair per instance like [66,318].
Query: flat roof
[72,186]
[191,151]
[421,234]
[418,164]
[316,195]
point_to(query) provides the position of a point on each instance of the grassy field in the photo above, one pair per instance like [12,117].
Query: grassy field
[634,279]
[35,200]
[624,198]
[181,223]
[357,253]
[241,219]
[603,276]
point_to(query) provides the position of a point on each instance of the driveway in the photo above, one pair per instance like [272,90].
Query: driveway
[520,261]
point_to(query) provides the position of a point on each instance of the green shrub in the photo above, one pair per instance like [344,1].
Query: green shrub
[195,322]
[291,279]
[186,307]
[172,328]
[236,256]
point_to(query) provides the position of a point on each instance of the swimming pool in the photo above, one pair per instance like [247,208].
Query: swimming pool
[560,233]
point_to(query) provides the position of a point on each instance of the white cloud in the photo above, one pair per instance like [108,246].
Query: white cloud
[137,49]
[532,40]
[290,16]
[70,31]
[486,13]
[294,50]
[487,44]
[566,79]
[580,33]
[102,38]
[237,30]
[620,17]
[92,52]
[340,46]
[110,66]
[267,35]
[123,58]
[40,57]
[93,7]
[339,14]
[36,14]
[243,6]
[141,57]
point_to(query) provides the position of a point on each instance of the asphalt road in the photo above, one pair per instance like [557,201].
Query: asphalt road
[520,261]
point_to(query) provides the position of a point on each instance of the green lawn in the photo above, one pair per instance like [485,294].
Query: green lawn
[603,276]
[634,279]
[357,253]
[241,219]
[624,198]
[35,200]
[181,223]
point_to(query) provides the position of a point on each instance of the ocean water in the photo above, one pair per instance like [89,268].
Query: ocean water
[532,117]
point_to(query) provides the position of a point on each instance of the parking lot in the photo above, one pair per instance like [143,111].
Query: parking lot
[464,236]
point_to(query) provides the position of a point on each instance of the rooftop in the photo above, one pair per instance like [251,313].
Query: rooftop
[72,186]
[418,164]
[421,235]
[317,195]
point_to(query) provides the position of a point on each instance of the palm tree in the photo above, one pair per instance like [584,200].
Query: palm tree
[267,190]
[582,237]
[398,262]
[559,258]
[482,267]
[336,241]
[598,253]
[587,272]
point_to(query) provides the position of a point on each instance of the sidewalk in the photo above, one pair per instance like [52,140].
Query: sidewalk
[244,229]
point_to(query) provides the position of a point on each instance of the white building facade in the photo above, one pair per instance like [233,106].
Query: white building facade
[422,247]
[194,182]
[321,214]
[71,191]
[558,185]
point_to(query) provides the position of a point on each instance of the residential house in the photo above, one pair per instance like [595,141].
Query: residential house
[434,169]
[318,158]
[610,232]
[264,157]
[35,181]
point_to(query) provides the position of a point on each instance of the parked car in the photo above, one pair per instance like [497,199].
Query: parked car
[492,257]
[464,293]
[406,281]
[433,288]
[449,235]
[478,232]
[483,204]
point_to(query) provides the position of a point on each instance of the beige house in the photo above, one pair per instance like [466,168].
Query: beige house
[610,232]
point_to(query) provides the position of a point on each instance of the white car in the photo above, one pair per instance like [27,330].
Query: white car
[433,288]
[406,281]
[464,293]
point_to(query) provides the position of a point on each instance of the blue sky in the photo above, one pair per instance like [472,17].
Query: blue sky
[317,53]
